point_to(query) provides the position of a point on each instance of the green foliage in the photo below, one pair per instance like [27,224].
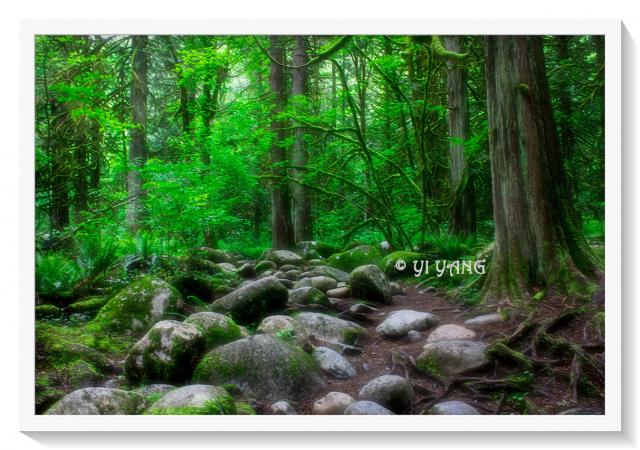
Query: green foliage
[56,273]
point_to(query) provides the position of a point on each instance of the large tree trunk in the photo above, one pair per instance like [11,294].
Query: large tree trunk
[538,241]
[462,213]
[281,228]
[301,211]
[138,144]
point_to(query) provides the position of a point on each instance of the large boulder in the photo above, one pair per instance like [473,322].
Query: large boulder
[451,332]
[452,357]
[356,257]
[195,399]
[168,352]
[334,403]
[285,328]
[453,408]
[264,367]
[400,264]
[253,301]
[370,283]
[367,408]
[332,329]
[98,401]
[137,307]
[333,363]
[391,391]
[400,322]
[282,257]
[307,296]
[217,329]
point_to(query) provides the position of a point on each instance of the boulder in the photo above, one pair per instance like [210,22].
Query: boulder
[400,322]
[168,352]
[290,267]
[451,332]
[333,363]
[369,283]
[282,257]
[356,257]
[338,292]
[333,329]
[217,329]
[452,357]
[263,367]
[325,271]
[98,401]
[304,282]
[247,270]
[137,307]
[366,408]
[307,296]
[286,328]
[393,268]
[453,408]
[194,399]
[283,408]
[323,283]
[391,391]
[253,301]
[263,266]
[334,403]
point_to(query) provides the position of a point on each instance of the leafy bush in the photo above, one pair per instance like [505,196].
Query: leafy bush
[447,246]
[56,273]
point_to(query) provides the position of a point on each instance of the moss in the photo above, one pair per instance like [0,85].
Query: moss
[245,409]
[222,405]
[88,305]
[388,263]
[586,387]
[351,336]
[48,312]
[220,368]
[355,257]
[429,366]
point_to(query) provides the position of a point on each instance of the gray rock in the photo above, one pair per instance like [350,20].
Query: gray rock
[334,403]
[194,399]
[253,301]
[331,272]
[366,408]
[370,283]
[168,352]
[286,328]
[290,267]
[227,267]
[333,329]
[263,367]
[154,389]
[414,336]
[217,328]
[451,332]
[282,257]
[98,401]
[263,266]
[307,296]
[453,357]
[292,275]
[303,282]
[247,270]
[333,363]
[338,292]
[287,283]
[400,322]
[283,408]
[391,391]
[323,283]
[362,308]
[486,319]
[453,408]
[397,289]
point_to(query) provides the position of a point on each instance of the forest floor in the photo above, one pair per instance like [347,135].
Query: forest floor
[550,393]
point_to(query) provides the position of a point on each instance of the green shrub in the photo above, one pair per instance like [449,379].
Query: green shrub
[55,273]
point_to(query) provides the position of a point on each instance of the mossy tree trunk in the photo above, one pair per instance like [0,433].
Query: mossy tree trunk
[462,212]
[281,227]
[539,242]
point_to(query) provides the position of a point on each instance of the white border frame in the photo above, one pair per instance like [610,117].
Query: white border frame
[610,421]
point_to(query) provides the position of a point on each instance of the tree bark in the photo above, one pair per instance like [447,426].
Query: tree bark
[462,212]
[138,144]
[282,236]
[301,211]
[539,243]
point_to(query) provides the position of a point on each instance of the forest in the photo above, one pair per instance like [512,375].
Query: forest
[319,224]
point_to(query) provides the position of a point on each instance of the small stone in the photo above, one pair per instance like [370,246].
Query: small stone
[323,283]
[453,408]
[334,403]
[338,292]
[452,357]
[361,308]
[366,408]
[391,391]
[283,409]
[414,336]
[486,319]
[333,364]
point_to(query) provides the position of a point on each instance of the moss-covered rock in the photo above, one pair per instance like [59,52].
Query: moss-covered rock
[332,329]
[168,352]
[262,366]
[98,401]
[452,357]
[48,312]
[388,264]
[326,271]
[286,328]
[263,266]
[282,257]
[88,305]
[308,296]
[355,257]
[195,399]
[371,284]
[218,329]
[253,301]
[214,255]
[137,307]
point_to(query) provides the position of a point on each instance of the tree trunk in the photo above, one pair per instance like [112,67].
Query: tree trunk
[462,212]
[301,211]
[138,144]
[281,227]
[538,241]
